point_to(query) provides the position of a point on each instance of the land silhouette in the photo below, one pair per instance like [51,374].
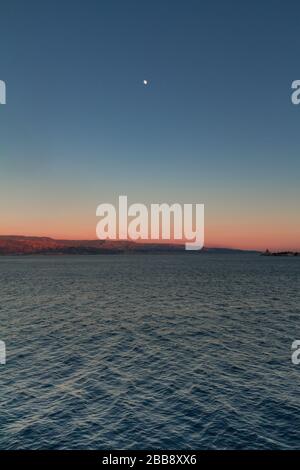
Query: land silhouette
[26,245]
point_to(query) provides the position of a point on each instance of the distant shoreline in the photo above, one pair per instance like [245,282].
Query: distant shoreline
[280,253]
[26,245]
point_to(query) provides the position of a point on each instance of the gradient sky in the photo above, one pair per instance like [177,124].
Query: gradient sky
[214,126]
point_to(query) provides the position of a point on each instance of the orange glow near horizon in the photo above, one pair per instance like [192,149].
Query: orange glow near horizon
[235,235]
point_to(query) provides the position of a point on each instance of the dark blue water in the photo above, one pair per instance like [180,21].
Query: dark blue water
[149,351]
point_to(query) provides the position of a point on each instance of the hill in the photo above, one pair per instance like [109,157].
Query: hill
[22,245]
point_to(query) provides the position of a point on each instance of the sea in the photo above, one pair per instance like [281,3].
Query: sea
[149,351]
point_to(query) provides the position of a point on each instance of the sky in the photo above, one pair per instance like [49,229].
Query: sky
[215,125]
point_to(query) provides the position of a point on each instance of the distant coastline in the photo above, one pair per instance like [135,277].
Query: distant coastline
[26,245]
[280,253]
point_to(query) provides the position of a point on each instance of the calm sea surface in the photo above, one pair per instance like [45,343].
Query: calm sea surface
[149,352]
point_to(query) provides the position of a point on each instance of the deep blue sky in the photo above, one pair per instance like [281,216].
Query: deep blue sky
[215,125]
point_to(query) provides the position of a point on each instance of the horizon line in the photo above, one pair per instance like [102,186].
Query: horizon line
[145,242]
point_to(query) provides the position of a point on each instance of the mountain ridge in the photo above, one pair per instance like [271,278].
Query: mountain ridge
[29,245]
